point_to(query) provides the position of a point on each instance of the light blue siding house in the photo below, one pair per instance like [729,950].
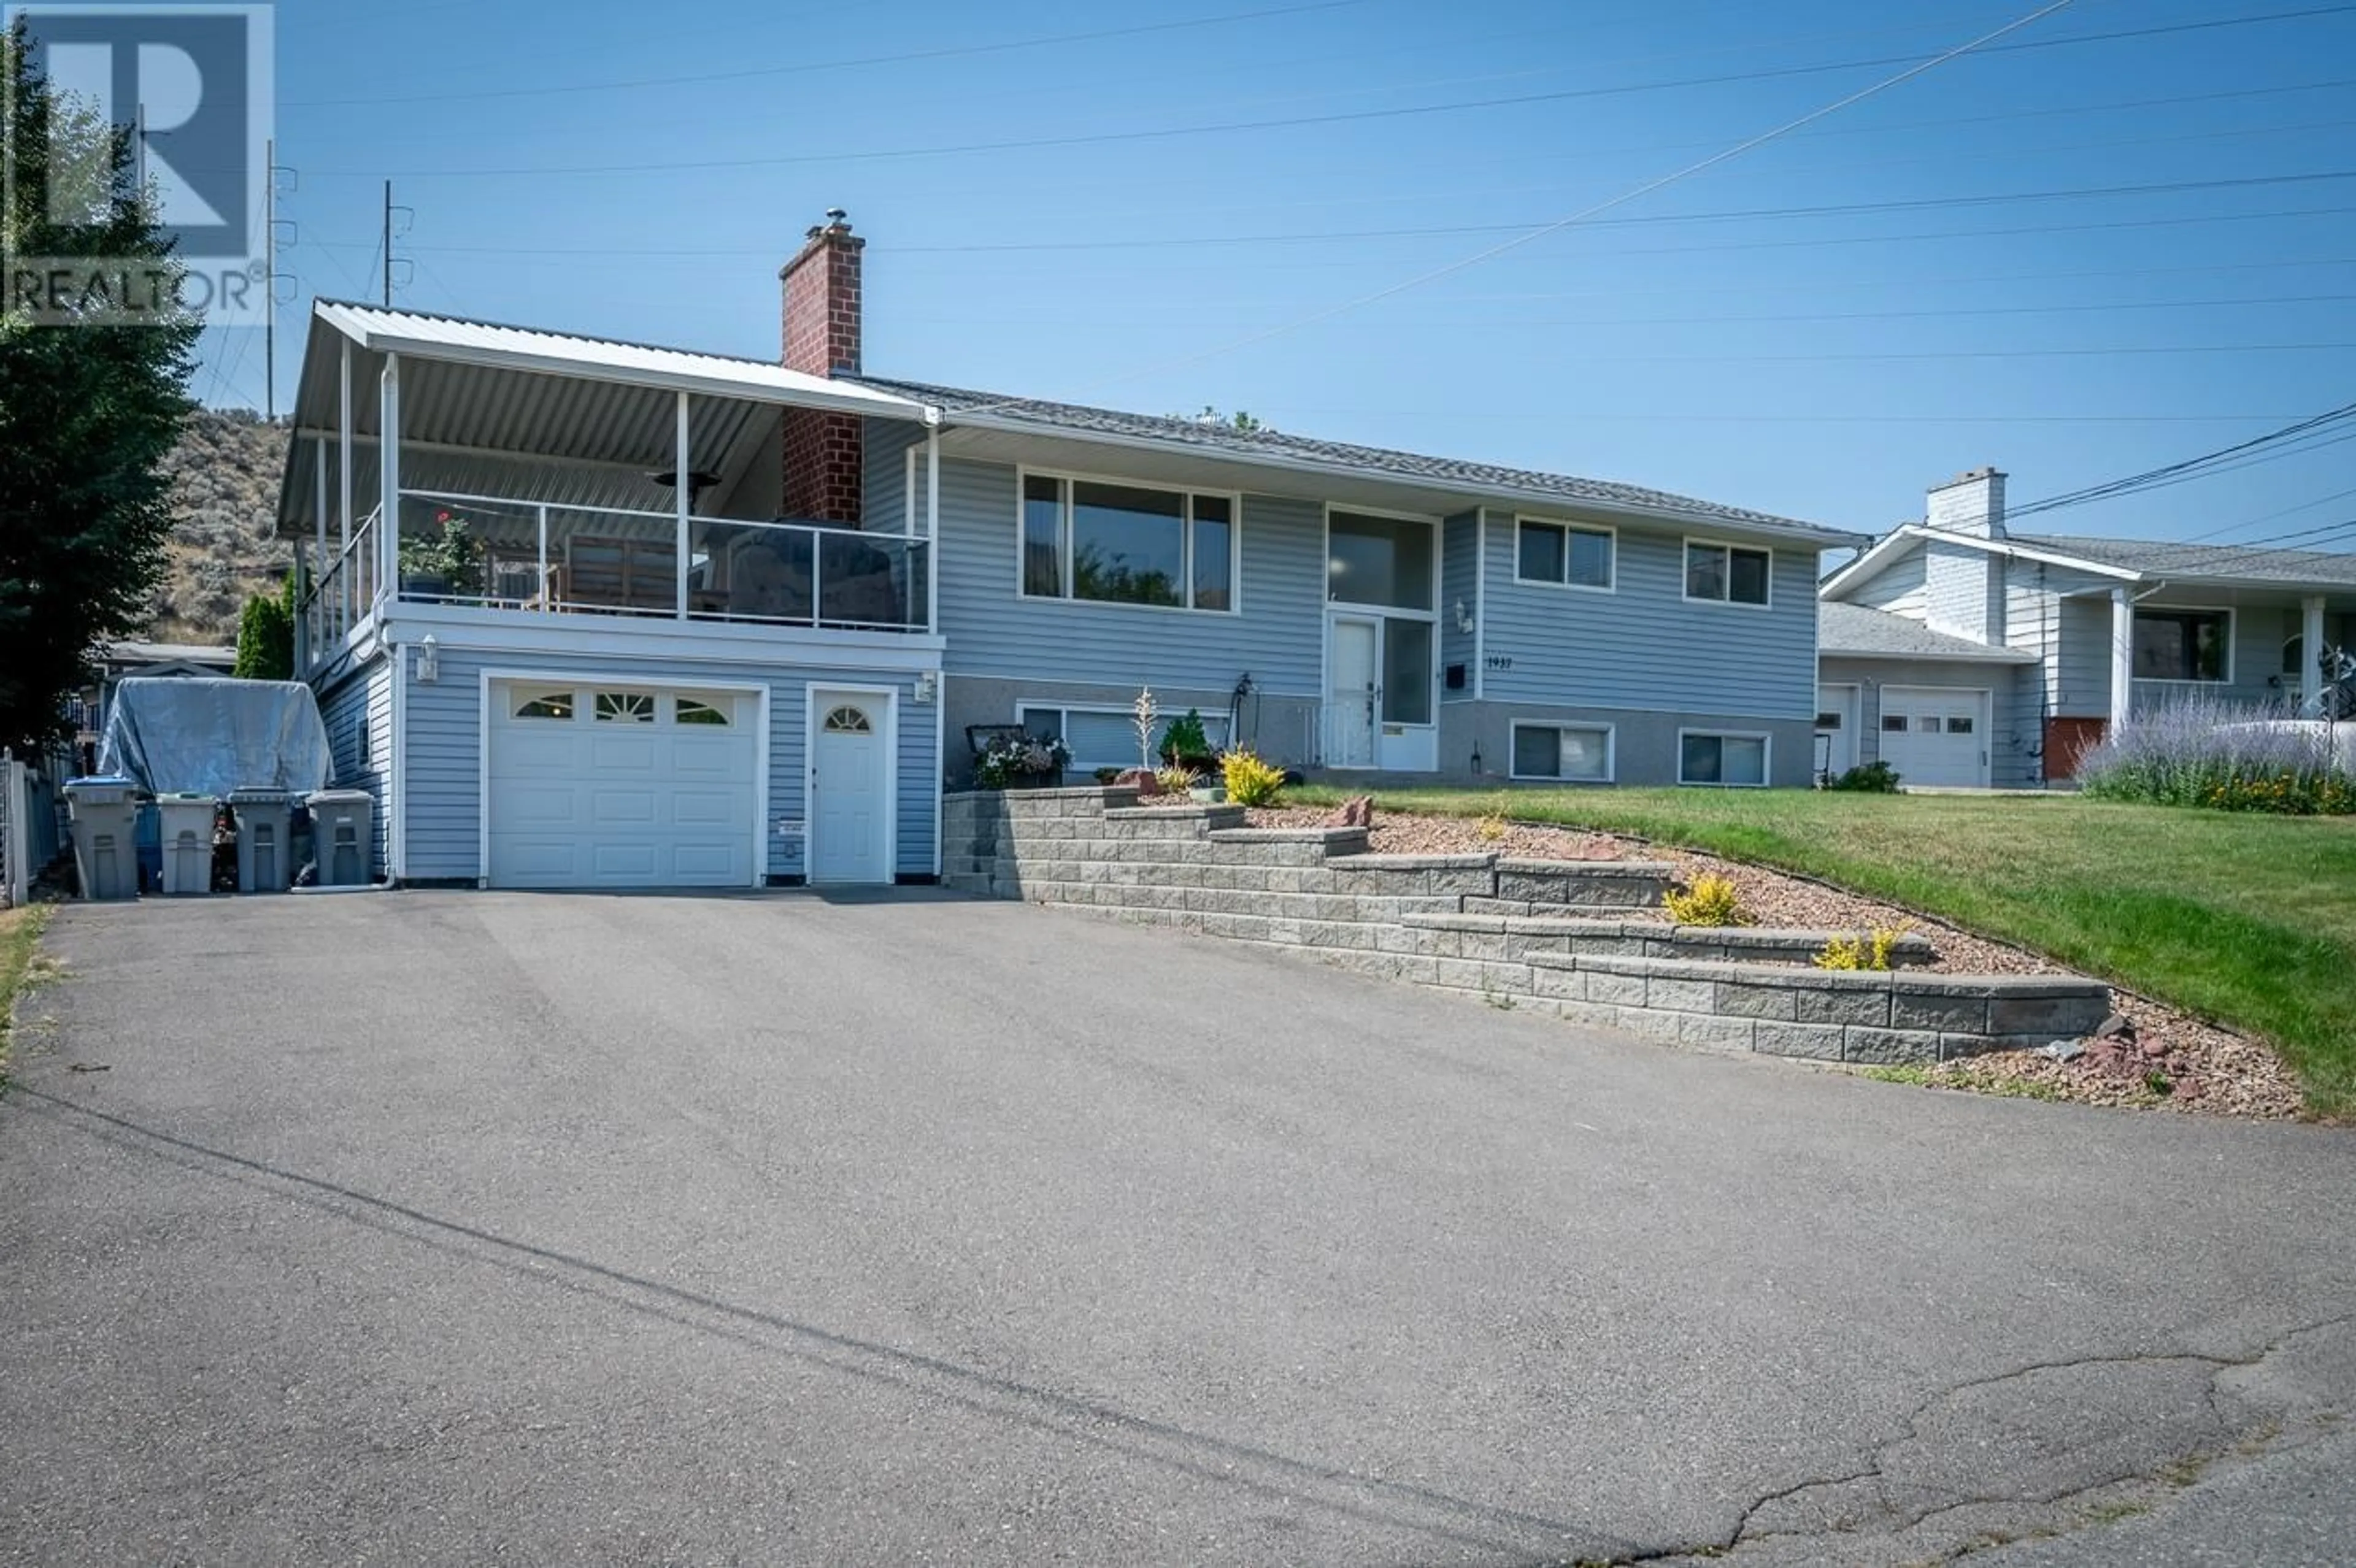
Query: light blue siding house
[589,614]
[1965,652]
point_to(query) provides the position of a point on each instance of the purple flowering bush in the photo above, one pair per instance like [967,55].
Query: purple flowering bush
[2201,752]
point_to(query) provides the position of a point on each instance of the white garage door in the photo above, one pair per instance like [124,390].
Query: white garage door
[594,785]
[1935,737]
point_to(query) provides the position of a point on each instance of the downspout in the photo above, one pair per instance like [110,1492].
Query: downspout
[933,623]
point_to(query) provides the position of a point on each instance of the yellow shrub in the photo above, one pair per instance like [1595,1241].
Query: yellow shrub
[1710,900]
[1867,950]
[1250,781]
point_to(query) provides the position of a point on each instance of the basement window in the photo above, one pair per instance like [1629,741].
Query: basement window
[1579,753]
[1711,759]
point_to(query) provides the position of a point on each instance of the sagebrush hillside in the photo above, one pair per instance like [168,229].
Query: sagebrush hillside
[225,498]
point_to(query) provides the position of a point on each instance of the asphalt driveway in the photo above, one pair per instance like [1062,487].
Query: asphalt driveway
[442,1227]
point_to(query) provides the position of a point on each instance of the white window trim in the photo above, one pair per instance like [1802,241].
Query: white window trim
[1572,526]
[1067,477]
[1351,610]
[1684,576]
[1351,606]
[1766,757]
[1611,773]
[1026,706]
[2233,635]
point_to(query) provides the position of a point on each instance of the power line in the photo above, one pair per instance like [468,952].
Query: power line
[1531,226]
[571,259]
[1522,323]
[2200,466]
[1589,213]
[1340,117]
[801,68]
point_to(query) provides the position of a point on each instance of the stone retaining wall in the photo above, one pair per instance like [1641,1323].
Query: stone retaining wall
[1543,933]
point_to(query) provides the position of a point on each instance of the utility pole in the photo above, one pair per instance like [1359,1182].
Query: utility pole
[269,280]
[273,244]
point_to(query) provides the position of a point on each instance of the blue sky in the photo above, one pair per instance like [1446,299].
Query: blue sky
[1703,339]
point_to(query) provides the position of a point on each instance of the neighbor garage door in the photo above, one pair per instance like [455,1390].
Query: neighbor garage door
[599,785]
[1935,737]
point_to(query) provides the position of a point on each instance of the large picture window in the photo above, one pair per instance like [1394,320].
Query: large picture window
[2183,644]
[1562,552]
[1128,544]
[1728,574]
[1704,758]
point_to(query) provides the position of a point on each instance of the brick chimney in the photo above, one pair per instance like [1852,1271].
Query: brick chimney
[825,455]
[1970,503]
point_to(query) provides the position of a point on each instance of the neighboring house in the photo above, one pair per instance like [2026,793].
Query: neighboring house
[1964,653]
[768,672]
[118,662]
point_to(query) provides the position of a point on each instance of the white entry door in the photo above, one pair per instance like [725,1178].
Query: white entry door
[598,784]
[1836,728]
[1936,736]
[850,787]
[1354,691]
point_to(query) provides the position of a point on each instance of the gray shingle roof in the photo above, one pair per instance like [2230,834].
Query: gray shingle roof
[1369,461]
[1860,630]
[2156,557]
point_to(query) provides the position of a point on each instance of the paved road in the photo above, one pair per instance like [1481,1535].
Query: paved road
[441,1227]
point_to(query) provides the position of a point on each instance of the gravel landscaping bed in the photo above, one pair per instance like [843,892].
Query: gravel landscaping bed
[2171,1060]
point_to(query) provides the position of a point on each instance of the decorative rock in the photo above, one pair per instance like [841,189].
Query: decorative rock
[2153,1049]
[2118,1026]
[1139,780]
[1358,811]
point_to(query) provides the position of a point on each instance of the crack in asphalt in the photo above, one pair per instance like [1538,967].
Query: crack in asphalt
[1872,1471]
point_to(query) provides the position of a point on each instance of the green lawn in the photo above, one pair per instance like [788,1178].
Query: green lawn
[19,929]
[2247,920]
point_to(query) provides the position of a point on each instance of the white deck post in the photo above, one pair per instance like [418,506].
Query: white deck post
[2310,674]
[315,604]
[344,484]
[683,497]
[933,526]
[388,521]
[2122,658]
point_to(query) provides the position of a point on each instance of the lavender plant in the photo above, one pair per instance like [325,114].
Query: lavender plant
[2198,751]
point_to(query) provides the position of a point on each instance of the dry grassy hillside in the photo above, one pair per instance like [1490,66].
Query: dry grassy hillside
[225,494]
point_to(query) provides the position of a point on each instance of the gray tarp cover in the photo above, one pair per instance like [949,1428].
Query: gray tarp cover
[210,737]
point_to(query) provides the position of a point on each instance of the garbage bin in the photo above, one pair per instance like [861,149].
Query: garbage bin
[264,818]
[188,823]
[340,822]
[106,813]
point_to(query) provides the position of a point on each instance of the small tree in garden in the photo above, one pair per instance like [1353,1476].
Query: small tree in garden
[1147,713]
[265,636]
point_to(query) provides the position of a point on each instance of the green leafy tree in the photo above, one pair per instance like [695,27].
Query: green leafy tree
[87,413]
[265,636]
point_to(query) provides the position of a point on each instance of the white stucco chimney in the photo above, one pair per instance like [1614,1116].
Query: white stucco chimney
[1970,503]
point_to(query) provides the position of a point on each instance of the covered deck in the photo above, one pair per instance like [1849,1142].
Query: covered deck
[517,474]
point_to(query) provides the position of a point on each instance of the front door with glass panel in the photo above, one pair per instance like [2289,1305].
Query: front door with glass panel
[1382,576]
[1354,695]
[850,823]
